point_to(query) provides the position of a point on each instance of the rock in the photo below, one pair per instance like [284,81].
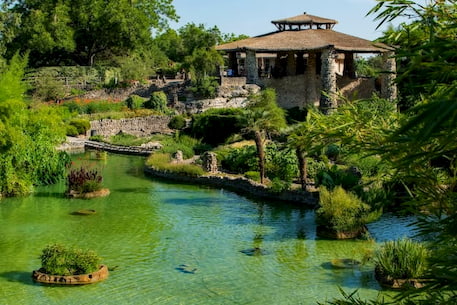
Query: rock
[178,156]
[254,251]
[210,162]
[84,212]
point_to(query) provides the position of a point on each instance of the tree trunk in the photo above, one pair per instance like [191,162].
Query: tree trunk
[260,154]
[303,168]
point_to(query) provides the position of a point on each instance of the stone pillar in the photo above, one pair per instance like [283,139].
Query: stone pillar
[388,86]
[291,64]
[251,67]
[210,162]
[178,156]
[349,65]
[311,87]
[328,102]
[233,63]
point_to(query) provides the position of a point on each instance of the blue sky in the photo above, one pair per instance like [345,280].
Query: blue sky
[253,17]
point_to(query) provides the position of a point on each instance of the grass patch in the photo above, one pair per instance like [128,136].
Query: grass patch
[162,161]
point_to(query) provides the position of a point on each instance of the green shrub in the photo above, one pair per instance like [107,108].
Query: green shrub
[402,259]
[205,87]
[240,160]
[278,185]
[81,125]
[59,260]
[162,161]
[158,102]
[253,175]
[340,210]
[281,163]
[177,122]
[134,102]
[337,176]
[226,122]
[97,138]
[332,152]
[71,131]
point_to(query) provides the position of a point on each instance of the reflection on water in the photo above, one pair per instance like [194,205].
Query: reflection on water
[179,244]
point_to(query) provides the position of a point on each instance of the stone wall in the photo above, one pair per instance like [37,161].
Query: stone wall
[290,91]
[243,186]
[232,94]
[140,127]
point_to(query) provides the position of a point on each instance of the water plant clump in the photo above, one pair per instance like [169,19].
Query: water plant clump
[402,259]
[342,211]
[57,259]
[83,180]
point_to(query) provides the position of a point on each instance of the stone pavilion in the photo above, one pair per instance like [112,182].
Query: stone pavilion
[308,62]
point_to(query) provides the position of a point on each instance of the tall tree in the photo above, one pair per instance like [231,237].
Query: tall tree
[263,117]
[78,31]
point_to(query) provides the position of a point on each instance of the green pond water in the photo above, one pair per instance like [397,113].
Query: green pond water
[147,229]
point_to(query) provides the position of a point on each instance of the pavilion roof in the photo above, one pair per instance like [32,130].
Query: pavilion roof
[305,19]
[304,40]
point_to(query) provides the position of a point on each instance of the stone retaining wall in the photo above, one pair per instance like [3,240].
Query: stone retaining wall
[128,150]
[140,127]
[241,185]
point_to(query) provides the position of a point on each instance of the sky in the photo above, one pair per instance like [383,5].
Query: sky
[253,17]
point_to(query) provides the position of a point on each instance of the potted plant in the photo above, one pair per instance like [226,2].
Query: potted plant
[341,214]
[84,183]
[69,266]
[401,263]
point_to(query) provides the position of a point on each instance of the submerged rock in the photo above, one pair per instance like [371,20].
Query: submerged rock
[84,212]
[186,269]
[254,251]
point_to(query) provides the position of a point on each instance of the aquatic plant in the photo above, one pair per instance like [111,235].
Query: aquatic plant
[83,180]
[402,259]
[341,211]
[59,260]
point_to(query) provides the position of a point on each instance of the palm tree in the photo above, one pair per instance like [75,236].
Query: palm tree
[264,117]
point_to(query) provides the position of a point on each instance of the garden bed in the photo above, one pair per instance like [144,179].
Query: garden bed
[79,279]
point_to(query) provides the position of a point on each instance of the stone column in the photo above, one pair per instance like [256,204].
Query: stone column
[328,102]
[388,85]
[291,64]
[209,160]
[311,96]
[233,63]
[349,65]
[251,67]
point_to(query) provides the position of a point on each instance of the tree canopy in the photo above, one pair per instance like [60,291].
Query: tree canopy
[81,31]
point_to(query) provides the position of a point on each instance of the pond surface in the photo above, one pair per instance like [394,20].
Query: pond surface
[179,244]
